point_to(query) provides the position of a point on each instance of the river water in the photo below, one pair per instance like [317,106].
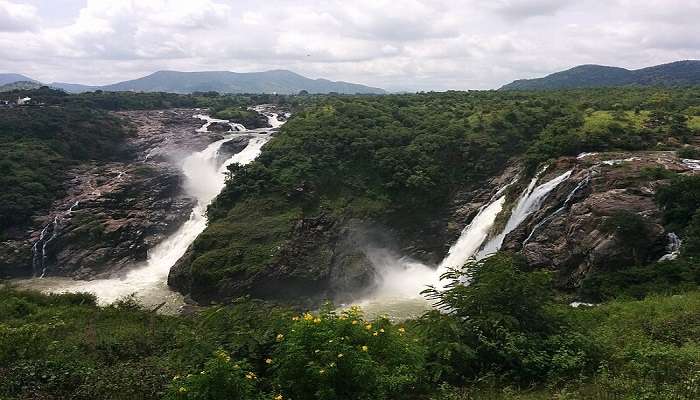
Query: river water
[204,179]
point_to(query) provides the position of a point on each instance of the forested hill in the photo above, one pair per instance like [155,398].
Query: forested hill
[398,164]
[276,81]
[680,73]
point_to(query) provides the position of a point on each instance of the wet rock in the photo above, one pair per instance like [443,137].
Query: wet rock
[233,146]
[219,127]
[571,238]
[112,213]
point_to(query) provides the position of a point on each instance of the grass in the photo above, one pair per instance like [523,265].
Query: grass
[599,120]
[694,123]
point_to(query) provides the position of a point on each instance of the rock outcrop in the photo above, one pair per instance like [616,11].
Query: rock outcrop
[569,233]
[112,213]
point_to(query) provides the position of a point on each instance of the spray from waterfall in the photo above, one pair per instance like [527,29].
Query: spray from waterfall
[401,279]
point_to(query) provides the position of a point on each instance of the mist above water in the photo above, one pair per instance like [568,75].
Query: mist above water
[401,280]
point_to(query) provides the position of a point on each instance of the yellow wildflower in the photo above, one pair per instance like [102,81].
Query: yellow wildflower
[364,348]
[354,322]
[375,334]
[368,326]
[342,317]
[182,389]
[280,337]
[381,330]
[402,330]
[176,377]
[279,397]
[268,361]
[317,320]
[294,318]
[308,317]
[250,375]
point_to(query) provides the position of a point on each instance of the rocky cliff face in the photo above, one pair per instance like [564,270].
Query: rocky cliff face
[113,212]
[570,233]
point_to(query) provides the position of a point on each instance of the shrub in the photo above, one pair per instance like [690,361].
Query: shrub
[221,379]
[632,231]
[500,321]
[343,356]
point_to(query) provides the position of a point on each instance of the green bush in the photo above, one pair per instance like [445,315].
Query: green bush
[343,356]
[220,379]
[499,319]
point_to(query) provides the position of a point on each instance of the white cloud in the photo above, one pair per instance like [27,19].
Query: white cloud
[412,44]
[16,17]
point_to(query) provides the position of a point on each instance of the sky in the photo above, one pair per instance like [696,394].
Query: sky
[399,45]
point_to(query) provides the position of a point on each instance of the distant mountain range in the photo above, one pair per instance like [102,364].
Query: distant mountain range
[679,73]
[20,85]
[6,79]
[276,81]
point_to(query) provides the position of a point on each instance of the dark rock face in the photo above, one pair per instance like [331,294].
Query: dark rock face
[113,212]
[255,120]
[571,238]
[323,260]
[233,146]
[115,230]
[219,127]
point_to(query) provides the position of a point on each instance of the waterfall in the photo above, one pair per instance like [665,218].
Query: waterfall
[401,279]
[209,120]
[673,247]
[472,236]
[566,203]
[692,164]
[39,255]
[470,242]
[522,209]
[204,179]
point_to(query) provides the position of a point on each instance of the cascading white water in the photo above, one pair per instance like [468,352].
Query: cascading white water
[472,236]
[209,120]
[205,178]
[401,280]
[673,247]
[530,201]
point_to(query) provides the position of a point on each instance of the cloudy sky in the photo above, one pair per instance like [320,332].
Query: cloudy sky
[397,44]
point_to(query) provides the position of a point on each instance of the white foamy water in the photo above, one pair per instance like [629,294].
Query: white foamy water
[530,201]
[204,179]
[401,280]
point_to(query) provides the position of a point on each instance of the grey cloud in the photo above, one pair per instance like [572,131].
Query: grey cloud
[407,45]
[522,9]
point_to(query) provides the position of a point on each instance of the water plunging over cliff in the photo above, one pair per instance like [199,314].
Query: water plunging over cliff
[204,179]
[530,201]
[401,280]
